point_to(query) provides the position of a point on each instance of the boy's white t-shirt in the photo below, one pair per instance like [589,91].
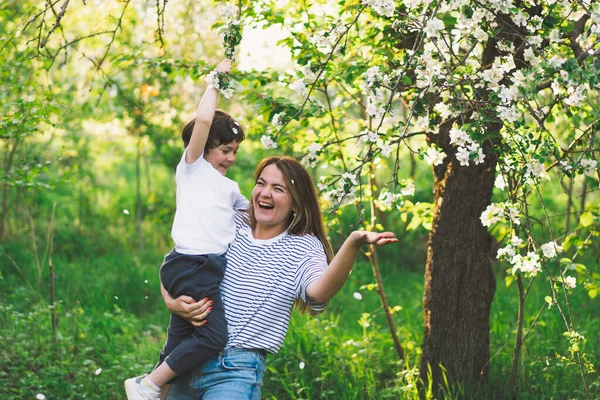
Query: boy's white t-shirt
[206,204]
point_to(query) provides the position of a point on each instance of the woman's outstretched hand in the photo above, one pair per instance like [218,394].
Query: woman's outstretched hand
[324,288]
[375,238]
[187,308]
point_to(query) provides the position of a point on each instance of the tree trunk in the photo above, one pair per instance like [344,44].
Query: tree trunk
[459,282]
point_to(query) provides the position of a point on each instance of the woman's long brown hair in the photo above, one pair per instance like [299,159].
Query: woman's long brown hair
[307,218]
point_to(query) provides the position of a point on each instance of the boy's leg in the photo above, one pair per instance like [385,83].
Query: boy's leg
[205,342]
[178,330]
[211,338]
[176,275]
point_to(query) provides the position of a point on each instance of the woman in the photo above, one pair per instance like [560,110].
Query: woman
[279,257]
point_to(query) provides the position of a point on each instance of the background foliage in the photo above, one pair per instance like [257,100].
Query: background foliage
[89,129]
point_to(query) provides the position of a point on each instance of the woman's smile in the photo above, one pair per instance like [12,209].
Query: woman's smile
[272,201]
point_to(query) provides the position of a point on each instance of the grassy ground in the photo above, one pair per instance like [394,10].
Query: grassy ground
[112,324]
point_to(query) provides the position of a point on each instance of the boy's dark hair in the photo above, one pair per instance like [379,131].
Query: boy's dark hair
[222,131]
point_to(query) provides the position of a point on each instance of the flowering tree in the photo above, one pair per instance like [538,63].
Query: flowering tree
[503,93]
[499,97]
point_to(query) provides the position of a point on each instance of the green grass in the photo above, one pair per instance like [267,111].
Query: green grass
[110,318]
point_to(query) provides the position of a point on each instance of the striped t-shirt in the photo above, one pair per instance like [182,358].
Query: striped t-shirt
[262,280]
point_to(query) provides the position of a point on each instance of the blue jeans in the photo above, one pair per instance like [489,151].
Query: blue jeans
[233,374]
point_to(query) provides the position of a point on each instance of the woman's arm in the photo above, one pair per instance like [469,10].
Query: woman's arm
[187,308]
[334,277]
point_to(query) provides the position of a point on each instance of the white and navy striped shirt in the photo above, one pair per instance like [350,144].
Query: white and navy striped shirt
[262,280]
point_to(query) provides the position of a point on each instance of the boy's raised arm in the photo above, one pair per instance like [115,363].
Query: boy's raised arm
[204,117]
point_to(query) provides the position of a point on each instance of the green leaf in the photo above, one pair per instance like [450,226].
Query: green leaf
[509,279]
[580,268]
[586,219]
[406,80]
[593,293]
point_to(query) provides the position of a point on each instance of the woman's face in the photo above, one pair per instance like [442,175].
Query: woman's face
[272,200]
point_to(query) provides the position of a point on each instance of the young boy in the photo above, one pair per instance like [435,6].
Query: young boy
[203,228]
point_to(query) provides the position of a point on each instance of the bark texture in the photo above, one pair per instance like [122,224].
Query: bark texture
[459,283]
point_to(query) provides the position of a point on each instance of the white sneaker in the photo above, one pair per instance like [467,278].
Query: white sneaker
[137,389]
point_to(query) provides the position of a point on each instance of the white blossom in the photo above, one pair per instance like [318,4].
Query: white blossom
[386,200]
[300,87]
[556,61]
[476,149]
[408,189]
[505,63]
[556,89]
[422,123]
[550,249]
[382,7]
[434,156]
[277,120]
[530,56]
[508,95]
[314,148]
[229,11]
[267,142]
[347,176]
[372,136]
[554,36]
[500,182]
[519,79]
[589,166]
[227,93]
[529,264]
[375,110]
[492,75]
[459,137]
[536,169]
[565,166]
[212,79]
[462,155]
[509,114]
[433,27]
[325,40]
[480,34]
[506,253]
[575,95]
[444,110]
[534,24]
[520,18]
[512,213]
[386,150]
[491,214]
[308,73]
[373,78]
[357,296]
[570,282]
[516,241]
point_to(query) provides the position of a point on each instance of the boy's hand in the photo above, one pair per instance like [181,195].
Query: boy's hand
[225,66]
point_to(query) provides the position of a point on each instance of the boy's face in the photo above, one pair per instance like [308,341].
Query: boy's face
[222,157]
